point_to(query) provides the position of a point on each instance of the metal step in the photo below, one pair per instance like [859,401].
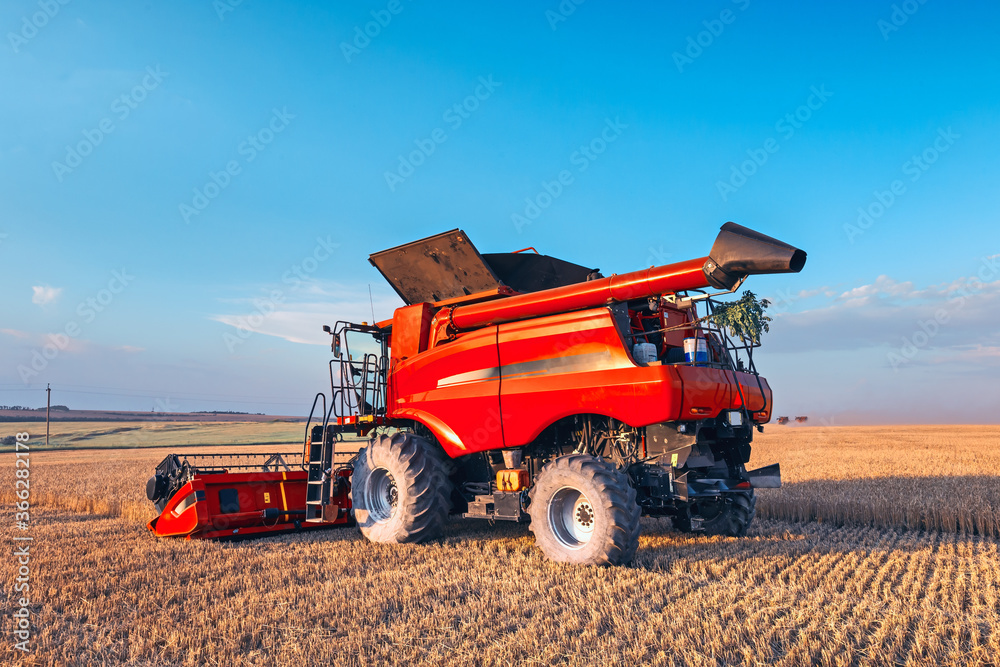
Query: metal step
[321,456]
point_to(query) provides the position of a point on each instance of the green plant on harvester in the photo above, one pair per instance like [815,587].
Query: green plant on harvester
[745,318]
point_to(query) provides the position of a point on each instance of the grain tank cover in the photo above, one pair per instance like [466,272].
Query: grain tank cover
[436,268]
[448,265]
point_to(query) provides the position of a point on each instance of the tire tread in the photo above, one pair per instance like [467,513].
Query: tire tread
[617,496]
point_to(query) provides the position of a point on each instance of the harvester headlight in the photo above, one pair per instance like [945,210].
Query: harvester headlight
[736,418]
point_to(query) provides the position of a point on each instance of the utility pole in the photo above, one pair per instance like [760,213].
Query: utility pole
[48,407]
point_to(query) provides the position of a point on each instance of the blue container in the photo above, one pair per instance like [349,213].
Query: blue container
[696,350]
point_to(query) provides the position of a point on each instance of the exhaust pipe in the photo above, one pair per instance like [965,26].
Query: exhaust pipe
[739,252]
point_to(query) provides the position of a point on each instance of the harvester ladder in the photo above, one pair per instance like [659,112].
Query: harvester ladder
[319,480]
[319,468]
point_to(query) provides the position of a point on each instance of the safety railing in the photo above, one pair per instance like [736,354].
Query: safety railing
[205,464]
[358,387]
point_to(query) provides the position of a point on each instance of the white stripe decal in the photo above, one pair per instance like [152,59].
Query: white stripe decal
[574,363]
[470,376]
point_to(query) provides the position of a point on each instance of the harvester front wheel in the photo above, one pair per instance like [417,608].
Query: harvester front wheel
[584,511]
[399,489]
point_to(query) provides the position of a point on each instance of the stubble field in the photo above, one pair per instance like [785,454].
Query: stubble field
[862,559]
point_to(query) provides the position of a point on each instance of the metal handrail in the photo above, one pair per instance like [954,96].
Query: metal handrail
[204,463]
[306,440]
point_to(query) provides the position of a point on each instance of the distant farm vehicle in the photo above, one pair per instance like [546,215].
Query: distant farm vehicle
[519,387]
[802,420]
[782,421]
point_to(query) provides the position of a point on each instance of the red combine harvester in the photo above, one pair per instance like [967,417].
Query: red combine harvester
[519,387]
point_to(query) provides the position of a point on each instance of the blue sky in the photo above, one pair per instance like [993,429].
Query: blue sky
[241,160]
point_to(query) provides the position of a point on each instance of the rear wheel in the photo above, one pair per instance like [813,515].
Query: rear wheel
[399,489]
[728,515]
[584,511]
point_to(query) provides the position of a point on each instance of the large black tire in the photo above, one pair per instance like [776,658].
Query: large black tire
[729,516]
[399,490]
[584,511]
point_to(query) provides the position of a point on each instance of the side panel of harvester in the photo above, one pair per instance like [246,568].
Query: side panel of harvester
[548,368]
[454,390]
[707,391]
[576,363]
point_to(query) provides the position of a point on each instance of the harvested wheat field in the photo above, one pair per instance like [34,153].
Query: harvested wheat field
[924,477]
[791,593]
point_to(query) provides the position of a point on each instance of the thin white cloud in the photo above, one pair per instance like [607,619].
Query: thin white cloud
[66,345]
[301,324]
[977,354]
[16,333]
[883,286]
[44,295]
[301,321]
[939,319]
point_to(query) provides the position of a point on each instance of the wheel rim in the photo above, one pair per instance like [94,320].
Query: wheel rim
[381,495]
[572,517]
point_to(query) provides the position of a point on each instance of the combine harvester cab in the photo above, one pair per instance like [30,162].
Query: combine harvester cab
[206,496]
